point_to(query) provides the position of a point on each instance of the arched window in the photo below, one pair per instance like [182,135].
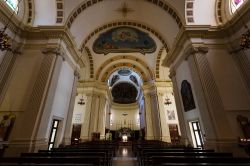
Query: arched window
[13,4]
[235,4]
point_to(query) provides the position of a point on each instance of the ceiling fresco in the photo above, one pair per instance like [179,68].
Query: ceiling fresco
[124,40]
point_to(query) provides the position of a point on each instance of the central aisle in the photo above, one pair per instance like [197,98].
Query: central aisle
[124,157]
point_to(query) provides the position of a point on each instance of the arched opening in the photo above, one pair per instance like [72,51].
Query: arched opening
[124,122]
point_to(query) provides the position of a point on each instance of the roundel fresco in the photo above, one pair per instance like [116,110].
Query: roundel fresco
[124,39]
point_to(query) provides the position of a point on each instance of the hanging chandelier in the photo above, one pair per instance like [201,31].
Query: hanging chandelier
[245,40]
[167,101]
[4,40]
[81,102]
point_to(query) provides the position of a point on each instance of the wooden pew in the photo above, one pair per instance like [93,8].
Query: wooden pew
[142,151]
[200,160]
[147,159]
[90,160]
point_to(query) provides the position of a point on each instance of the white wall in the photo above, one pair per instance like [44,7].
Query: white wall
[131,120]
[62,97]
[183,73]
[45,12]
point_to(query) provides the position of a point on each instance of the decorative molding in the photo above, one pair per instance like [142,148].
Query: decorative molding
[30,11]
[172,73]
[219,11]
[129,65]
[160,3]
[125,57]
[193,50]
[158,60]
[189,11]
[59,11]
[91,62]
[124,23]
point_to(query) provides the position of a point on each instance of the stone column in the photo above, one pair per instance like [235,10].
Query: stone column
[6,69]
[243,64]
[152,117]
[68,127]
[165,135]
[30,120]
[85,130]
[148,118]
[183,126]
[214,119]
[102,116]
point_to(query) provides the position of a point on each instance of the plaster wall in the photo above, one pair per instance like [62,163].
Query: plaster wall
[130,120]
[62,98]
[183,73]
[43,17]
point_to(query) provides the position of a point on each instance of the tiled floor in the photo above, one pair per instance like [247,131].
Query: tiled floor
[124,157]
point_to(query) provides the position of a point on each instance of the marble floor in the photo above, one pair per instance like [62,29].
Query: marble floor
[124,157]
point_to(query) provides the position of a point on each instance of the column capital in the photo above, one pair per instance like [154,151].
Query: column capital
[194,50]
[54,50]
[172,73]
[77,74]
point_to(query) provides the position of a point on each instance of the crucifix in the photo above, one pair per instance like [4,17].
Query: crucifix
[124,9]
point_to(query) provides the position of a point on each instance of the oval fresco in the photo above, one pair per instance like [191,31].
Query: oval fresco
[124,39]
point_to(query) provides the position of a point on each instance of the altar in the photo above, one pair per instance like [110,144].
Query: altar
[125,134]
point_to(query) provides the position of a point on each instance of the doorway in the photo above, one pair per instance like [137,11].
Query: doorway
[53,133]
[196,134]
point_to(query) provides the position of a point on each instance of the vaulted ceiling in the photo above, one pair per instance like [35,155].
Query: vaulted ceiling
[86,20]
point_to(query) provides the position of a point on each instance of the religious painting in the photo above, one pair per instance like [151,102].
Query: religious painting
[124,39]
[187,96]
[6,124]
[171,114]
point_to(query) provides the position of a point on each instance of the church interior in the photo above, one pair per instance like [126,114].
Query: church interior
[124,82]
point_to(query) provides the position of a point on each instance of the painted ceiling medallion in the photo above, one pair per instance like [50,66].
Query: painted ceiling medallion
[123,40]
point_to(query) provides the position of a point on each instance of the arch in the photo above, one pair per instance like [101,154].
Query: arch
[124,23]
[129,65]
[157,65]
[161,3]
[91,62]
[125,57]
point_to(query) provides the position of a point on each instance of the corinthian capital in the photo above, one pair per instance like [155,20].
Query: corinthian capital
[193,50]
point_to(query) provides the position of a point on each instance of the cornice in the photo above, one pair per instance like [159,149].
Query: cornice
[40,33]
[207,32]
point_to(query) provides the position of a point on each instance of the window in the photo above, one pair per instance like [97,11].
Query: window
[53,132]
[13,4]
[235,4]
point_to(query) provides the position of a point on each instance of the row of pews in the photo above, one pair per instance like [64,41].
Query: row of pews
[93,153]
[157,153]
